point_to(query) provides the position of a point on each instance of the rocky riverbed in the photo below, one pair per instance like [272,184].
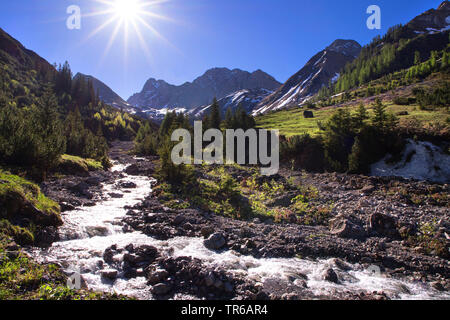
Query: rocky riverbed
[122,237]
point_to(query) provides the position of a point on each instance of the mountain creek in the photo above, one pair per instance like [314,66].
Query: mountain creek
[120,238]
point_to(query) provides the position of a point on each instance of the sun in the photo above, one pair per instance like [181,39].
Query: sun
[127,9]
[138,16]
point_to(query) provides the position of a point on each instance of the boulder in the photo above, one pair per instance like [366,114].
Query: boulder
[330,276]
[161,289]
[282,201]
[146,252]
[44,237]
[307,114]
[367,189]
[344,228]
[157,276]
[19,208]
[97,231]
[82,189]
[93,181]
[127,185]
[140,169]
[383,225]
[66,207]
[215,241]
[110,274]
[115,195]
[207,231]
[178,220]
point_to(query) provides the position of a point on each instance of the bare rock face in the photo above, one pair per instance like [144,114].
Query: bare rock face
[215,83]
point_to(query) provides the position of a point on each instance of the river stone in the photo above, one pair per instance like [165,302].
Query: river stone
[147,252]
[330,276]
[128,185]
[110,274]
[157,276]
[161,289]
[115,195]
[66,207]
[207,231]
[215,241]
[97,231]
[437,286]
[82,189]
[132,170]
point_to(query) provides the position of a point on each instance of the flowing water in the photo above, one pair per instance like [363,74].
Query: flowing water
[87,232]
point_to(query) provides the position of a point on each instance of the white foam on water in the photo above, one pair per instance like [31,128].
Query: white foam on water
[421,161]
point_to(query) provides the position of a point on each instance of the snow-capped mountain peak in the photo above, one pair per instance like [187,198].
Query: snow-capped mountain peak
[214,83]
[317,73]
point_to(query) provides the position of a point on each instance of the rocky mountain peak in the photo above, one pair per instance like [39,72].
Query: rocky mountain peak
[346,47]
[152,84]
[432,20]
[214,83]
[317,73]
[444,6]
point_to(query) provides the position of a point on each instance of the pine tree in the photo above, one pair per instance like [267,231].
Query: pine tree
[228,122]
[361,116]
[380,116]
[52,142]
[214,117]
[417,59]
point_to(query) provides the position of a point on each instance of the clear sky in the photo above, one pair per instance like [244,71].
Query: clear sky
[277,36]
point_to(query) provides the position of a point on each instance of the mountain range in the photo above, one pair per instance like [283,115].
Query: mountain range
[215,83]
[257,92]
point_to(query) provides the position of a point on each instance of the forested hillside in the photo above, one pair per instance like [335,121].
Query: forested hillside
[45,112]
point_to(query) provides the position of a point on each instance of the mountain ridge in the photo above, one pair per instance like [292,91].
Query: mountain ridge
[105,93]
[317,73]
[214,83]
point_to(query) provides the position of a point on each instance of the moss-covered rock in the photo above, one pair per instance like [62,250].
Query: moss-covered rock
[24,210]
[78,166]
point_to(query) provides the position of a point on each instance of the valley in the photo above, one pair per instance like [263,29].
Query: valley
[355,208]
[116,243]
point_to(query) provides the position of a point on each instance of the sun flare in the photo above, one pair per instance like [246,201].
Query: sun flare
[136,15]
[127,9]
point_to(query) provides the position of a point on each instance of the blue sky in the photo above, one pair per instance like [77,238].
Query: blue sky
[277,36]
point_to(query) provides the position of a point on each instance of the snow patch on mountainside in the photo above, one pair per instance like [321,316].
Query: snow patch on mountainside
[421,161]
[336,77]
[247,99]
